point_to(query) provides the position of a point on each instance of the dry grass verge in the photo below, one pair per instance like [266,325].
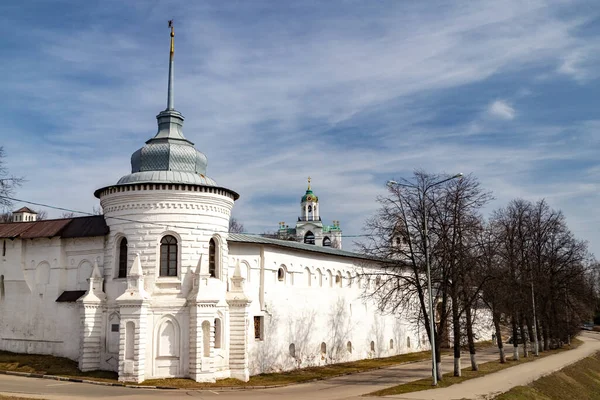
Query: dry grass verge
[50,365]
[578,381]
[484,369]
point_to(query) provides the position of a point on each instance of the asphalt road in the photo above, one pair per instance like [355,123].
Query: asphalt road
[344,387]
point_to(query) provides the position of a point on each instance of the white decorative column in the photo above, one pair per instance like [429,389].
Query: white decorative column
[202,302]
[133,305]
[92,307]
[238,326]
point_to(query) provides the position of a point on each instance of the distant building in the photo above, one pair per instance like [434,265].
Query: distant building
[309,228]
[24,214]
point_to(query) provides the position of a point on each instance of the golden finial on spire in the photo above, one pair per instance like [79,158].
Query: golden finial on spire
[172,36]
[309,183]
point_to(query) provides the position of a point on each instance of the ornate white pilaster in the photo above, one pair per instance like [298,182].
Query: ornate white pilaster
[133,305]
[92,307]
[202,302]
[238,327]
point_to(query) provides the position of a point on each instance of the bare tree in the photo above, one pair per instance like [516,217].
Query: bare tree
[398,237]
[8,184]
[235,226]
[546,285]
[97,210]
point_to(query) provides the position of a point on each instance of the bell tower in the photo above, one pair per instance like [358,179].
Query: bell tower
[309,206]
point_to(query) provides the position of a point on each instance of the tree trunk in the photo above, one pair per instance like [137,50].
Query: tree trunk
[515,342]
[538,330]
[457,334]
[531,335]
[470,338]
[496,318]
[523,338]
[545,336]
[438,355]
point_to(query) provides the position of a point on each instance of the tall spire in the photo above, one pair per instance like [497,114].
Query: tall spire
[170,99]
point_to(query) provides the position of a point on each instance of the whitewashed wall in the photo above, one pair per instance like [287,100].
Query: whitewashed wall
[307,315]
[36,272]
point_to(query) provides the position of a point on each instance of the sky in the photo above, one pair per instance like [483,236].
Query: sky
[350,93]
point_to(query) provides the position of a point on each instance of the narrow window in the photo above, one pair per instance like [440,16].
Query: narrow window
[323,348]
[218,333]
[114,328]
[372,345]
[408,342]
[280,274]
[1,287]
[391,343]
[326,242]
[123,258]
[293,350]
[212,252]
[4,248]
[349,347]
[168,256]
[258,327]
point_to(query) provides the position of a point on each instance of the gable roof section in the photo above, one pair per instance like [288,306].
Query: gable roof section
[66,228]
[242,238]
[25,209]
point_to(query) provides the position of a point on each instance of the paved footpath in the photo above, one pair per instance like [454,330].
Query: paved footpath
[502,381]
[344,387]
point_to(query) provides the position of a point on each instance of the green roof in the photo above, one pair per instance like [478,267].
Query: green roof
[309,196]
[243,238]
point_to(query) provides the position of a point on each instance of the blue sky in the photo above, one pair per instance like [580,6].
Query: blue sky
[351,93]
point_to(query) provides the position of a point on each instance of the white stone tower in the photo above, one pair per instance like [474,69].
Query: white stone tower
[168,213]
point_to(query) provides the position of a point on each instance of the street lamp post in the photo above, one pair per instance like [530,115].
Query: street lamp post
[426,249]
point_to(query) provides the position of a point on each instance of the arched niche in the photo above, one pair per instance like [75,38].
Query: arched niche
[129,340]
[167,335]
[206,338]
[84,271]
[113,335]
[309,238]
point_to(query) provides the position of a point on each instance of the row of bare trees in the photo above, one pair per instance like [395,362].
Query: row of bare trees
[522,266]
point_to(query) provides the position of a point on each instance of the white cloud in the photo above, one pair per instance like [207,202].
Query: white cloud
[581,63]
[501,109]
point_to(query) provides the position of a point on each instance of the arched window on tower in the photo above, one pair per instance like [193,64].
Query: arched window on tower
[326,241]
[212,255]
[123,258]
[309,238]
[168,256]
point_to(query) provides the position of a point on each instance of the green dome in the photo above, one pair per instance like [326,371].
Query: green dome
[309,196]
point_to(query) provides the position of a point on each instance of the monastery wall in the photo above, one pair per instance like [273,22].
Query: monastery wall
[33,274]
[308,317]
